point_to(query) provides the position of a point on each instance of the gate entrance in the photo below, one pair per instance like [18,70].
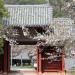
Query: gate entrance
[50,59]
[22,57]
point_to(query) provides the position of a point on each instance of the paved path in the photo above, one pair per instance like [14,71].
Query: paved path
[46,74]
[33,73]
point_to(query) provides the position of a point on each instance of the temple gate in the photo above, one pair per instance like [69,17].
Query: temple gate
[49,58]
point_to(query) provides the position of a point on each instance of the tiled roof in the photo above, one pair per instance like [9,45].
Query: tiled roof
[63,21]
[29,15]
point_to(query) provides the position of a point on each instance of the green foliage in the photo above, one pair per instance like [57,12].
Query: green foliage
[31,1]
[58,5]
[68,0]
[1,45]
[3,13]
[25,1]
[56,2]
[58,14]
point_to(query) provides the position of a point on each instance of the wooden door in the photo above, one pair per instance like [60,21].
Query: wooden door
[49,59]
[51,62]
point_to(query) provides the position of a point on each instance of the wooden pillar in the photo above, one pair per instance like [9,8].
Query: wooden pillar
[1,63]
[8,60]
[5,57]
[39,61]
[63,63]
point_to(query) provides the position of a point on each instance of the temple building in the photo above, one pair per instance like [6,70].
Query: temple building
[29,15]
[42,36]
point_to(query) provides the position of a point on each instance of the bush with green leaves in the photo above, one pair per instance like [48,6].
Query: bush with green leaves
[25,2]
[3,13]
[1,45]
